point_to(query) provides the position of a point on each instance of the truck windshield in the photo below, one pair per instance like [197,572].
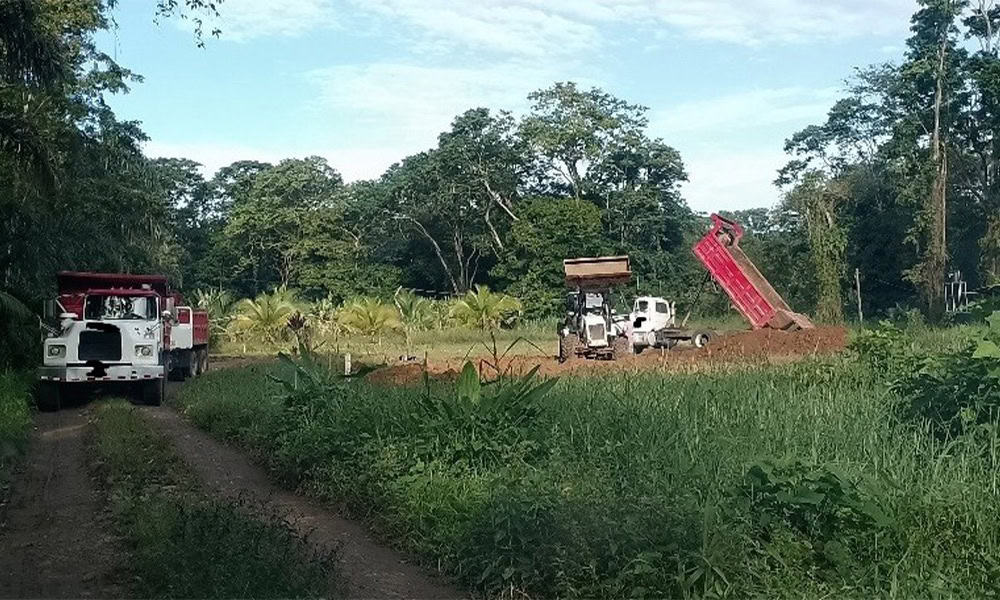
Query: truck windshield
[112,308]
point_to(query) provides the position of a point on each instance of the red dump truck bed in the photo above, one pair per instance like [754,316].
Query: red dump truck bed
[750,292]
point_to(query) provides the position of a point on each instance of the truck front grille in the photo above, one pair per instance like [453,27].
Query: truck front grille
[596,333]
[100,345]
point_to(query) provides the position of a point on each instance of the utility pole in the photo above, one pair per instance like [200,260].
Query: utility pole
[857,289]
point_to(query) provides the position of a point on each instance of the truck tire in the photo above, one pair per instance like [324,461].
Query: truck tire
[175,367]
[700,339]
[153,391]
[567,347]
[203,360]
[49,397]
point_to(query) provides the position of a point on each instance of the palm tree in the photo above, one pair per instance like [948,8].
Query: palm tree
[219,304]
[370,317]
[415,313]
[265,317]
[323,315]
[484,309]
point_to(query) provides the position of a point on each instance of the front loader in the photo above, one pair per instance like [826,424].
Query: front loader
[590,328]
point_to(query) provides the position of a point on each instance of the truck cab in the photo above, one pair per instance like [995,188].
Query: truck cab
[650,313]
[122,330]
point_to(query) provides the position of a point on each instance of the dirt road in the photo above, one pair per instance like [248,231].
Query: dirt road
[371,569]
[56,540]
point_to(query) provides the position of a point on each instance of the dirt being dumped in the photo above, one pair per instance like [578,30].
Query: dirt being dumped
[764,346]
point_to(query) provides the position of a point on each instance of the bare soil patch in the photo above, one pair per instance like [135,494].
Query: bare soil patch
[763,346]
[57,542]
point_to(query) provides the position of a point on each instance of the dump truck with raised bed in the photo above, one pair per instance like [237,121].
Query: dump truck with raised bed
[591,329]
[127,331]
[752,295]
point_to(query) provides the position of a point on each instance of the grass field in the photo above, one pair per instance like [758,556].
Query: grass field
[794,481]
[184,545]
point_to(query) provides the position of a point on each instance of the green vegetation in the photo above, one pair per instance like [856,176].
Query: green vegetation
[15,422]
[183,545]
[804,480]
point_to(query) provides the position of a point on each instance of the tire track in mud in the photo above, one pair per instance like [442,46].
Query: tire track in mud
[371,569]
[57,540]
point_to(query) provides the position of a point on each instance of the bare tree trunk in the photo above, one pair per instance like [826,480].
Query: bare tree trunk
[493,231]
[437,250]
[496,197]
[936,259]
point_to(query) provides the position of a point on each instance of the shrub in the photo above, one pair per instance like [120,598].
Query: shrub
[955,390]
[483,309]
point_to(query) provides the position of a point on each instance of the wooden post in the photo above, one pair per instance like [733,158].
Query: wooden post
[857,289]
[347,365]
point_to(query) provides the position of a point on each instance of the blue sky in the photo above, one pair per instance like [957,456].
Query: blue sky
[366,82]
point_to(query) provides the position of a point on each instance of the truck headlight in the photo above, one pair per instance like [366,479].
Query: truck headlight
[57,350]
[144,350]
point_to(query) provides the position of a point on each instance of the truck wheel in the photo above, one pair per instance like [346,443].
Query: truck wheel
[49,396]
[701,339]
[567,347]
[153,391]
[175,372]
[203,360]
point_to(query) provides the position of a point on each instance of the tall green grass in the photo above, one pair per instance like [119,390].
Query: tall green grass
[183,544]
[793,481]
[15,422]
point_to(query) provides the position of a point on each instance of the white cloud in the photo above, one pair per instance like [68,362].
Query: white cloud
[762,109]
[244,20]
[409,105]
[782,21]
[568,27]
[515,27]
[732,180]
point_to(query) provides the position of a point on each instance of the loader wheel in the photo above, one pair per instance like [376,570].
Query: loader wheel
[701,339]
[619,347]
[49,396]
[567,347]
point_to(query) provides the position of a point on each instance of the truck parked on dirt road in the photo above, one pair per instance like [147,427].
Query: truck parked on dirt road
[128,331]
[592,329]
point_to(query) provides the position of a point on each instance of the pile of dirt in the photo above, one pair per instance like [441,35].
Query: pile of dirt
[770,343]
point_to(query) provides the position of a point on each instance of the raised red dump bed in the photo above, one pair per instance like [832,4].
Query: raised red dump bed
[749,291]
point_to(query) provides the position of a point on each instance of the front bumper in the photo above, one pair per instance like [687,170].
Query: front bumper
[111,373]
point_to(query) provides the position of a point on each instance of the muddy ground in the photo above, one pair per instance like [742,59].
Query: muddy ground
[764,346]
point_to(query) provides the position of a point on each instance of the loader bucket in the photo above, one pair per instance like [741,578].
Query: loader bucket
[597,273]
[753,295]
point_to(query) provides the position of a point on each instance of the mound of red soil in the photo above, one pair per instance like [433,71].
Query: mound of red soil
[769,342]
